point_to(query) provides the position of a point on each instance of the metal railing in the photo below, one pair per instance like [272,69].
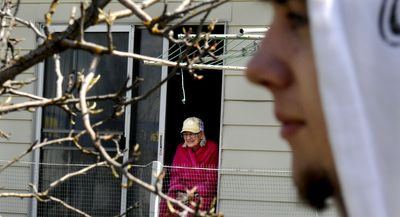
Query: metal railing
[240,192]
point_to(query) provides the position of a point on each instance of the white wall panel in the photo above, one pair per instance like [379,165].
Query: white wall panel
[253,138]
[13,205]
[239,88]
[258,188]
[35,10]
[270,209]
[249,113]
[248,13]
[19,115]
[15,178]
[27,37]
[9,150]
[20,130]
[255,159]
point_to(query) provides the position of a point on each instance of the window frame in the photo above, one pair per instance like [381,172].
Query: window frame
[40,70]
[162,114]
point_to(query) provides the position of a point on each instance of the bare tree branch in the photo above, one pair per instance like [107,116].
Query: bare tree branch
[136,10]
[73,96]
[44,51]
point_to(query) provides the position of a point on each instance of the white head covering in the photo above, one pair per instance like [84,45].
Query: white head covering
[357,51]
[192,124]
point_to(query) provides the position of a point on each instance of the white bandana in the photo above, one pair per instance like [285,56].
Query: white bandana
[357,51]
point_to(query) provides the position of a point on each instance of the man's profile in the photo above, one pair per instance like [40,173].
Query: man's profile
[332,67]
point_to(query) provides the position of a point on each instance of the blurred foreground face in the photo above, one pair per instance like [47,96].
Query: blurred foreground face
[285,65]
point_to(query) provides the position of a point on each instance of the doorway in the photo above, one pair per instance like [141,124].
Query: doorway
[200,98]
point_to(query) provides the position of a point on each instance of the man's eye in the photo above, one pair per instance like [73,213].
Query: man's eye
[297,20]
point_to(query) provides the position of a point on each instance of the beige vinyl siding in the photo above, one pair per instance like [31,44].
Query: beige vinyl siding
[239,88]
[13,206]
[270,209]
[36,9]
[17,177]
[20,126]
[250,140]
[20,130]
[255,159]
[250,13]
[259,113]
[238,137]
[14,179]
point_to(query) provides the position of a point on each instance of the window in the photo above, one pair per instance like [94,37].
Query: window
[99,193]
[98,186]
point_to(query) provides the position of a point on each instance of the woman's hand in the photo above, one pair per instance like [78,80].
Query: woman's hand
[182,196]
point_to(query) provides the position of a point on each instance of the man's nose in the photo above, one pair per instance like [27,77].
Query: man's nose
[268,67]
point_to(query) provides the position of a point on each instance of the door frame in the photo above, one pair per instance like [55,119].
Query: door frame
[130,29]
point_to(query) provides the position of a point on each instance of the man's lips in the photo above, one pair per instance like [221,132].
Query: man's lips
[290,128]
[290,125]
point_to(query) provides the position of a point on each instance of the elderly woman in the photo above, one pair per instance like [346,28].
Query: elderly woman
[194,166]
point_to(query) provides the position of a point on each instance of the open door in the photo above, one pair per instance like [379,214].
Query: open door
[147,124]
[188,97]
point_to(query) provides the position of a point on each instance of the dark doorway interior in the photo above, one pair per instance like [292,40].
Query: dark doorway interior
[203,100]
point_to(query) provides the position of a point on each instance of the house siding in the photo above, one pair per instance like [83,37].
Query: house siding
[18,125]
[255,179]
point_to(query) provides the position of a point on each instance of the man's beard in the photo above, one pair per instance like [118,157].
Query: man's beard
[315,187]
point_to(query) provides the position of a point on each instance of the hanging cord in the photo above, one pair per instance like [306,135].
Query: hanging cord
[183,88]
[176,53]
[212,62]
[182,81]
[228,57]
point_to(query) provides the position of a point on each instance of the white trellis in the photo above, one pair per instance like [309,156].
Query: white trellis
[232,49]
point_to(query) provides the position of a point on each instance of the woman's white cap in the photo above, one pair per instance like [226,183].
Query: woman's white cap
[193,125]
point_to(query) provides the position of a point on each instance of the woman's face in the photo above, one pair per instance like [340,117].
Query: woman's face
[285,65]
[192,140]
